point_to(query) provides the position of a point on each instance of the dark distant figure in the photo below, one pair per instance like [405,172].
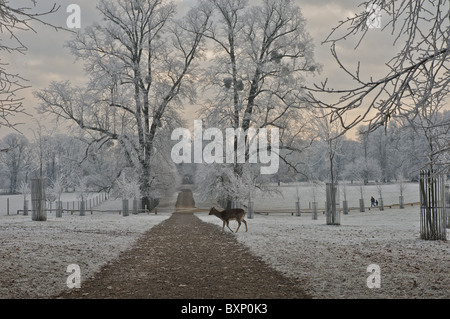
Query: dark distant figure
[372,202]
[376,203]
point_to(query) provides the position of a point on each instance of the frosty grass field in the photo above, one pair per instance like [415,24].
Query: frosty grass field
[329,261]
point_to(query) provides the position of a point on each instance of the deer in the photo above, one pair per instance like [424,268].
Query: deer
[230,214]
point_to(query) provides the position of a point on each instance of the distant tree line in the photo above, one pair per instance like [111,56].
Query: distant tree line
[392,153]
[72,163]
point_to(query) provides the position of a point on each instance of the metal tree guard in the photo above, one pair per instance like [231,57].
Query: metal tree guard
[447,204]
[250,210]
[314,210]
[432,206]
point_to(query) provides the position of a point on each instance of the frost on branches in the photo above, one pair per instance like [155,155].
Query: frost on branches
[140,62]
[415,78]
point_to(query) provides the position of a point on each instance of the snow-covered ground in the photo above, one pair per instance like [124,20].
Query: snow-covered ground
[34,255]
[332,261]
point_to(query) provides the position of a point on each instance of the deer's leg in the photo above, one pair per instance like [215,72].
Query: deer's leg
[239,222]
[223,227]
[229,226]
[245,223]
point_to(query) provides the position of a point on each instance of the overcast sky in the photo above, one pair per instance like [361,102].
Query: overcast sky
[47,60]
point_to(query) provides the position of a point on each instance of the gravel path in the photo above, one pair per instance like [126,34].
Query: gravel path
[184,257]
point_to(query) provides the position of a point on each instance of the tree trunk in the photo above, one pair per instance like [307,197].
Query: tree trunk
[145,186]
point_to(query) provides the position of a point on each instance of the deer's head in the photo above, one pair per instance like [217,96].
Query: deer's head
[212,211]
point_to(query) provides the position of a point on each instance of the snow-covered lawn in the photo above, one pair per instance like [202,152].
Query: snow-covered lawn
[34,255]
[307,193]
[332,261]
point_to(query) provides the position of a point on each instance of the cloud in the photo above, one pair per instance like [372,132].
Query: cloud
[375,50]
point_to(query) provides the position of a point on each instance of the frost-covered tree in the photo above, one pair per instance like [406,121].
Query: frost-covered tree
[59,184]
[13,156]
[329,133]
[65,154]
[362,170]
[261,56]
[432,121]
[220,183]
[41,149]
[127,186]
[410,146]
[140,61]
[383,146]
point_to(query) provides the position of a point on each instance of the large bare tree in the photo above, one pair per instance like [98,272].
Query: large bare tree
[261,55]
[140,64]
